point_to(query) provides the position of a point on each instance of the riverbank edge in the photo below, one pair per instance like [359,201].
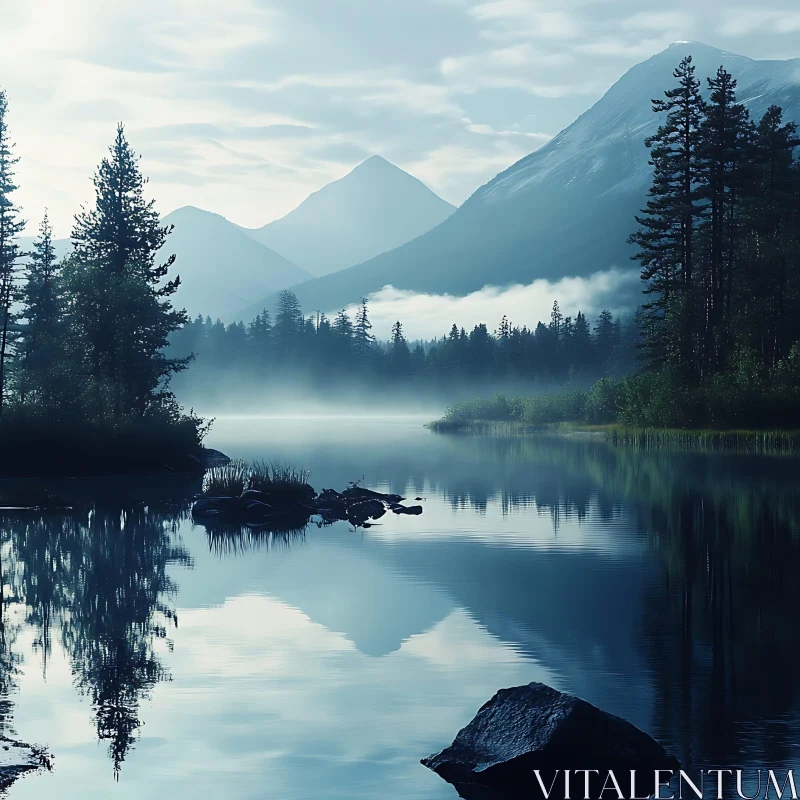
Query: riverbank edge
[762,442]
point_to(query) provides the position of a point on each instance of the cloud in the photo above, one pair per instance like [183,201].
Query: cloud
[744,21]
[519,19]
[428,316]
[658,21]
[304,89]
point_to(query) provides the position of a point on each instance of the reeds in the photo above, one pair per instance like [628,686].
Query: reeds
[226,480]
[276,476]
[270,477]
[761,442]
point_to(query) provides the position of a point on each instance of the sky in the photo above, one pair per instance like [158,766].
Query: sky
[244,107]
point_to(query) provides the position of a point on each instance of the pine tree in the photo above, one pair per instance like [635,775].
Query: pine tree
[399,353]
[726,155]
[122,311]
[11,227]
[343,326]
[289,326]
[44,371]
[260,338]
[667,234]
[767,285]
[363,338]
[606,336]
[582,344]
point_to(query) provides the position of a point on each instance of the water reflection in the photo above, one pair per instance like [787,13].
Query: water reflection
[660,587]
[98,579]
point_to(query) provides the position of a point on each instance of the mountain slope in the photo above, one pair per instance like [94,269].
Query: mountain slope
[221,268]
[566,209]
[373,209]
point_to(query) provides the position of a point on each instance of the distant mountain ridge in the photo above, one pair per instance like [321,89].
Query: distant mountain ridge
[566,209]
[221,268]
[371,210]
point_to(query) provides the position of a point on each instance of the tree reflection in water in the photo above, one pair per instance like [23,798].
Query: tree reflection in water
[719,628]
[717,625]
[99,579]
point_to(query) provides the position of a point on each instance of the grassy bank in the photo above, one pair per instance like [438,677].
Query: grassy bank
[605,409]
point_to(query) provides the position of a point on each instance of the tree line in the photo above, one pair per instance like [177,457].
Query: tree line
[719,246]
[84,338]
[345,349]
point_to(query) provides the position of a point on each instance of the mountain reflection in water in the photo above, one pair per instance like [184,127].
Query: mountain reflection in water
[326,662]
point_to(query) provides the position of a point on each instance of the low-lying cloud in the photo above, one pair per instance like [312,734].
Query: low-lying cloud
[430,316]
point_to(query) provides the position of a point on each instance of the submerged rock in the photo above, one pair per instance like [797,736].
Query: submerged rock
[535,727]
[18,759]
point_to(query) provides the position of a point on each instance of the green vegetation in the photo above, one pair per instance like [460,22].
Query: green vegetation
[719,246]
[270,477]
[84,374]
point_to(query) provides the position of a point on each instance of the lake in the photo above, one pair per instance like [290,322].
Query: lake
[157,659]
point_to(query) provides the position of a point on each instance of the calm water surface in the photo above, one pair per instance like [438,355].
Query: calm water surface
[157,659]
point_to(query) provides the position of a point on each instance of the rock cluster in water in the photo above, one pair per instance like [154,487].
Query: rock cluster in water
[535,727]
[296,505]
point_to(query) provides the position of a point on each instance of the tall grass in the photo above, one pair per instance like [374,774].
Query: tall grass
[270,477]
[761,442]
[226,480]
[276,476]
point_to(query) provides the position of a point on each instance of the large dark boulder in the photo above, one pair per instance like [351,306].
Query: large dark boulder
[535,727]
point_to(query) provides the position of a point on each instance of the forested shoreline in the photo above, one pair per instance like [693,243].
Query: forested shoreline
[325,354]
[719,248]
[84,376]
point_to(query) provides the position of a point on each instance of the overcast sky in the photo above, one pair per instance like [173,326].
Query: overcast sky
[243,107]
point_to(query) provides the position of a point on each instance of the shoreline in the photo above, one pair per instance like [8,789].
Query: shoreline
[734,440]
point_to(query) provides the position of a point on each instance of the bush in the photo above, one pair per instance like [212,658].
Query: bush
[567,406]
[604,401]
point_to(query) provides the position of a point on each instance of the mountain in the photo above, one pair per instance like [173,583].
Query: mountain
[221,268]
[566,209]
[373,209]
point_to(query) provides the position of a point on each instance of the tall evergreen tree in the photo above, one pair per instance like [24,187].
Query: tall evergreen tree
[122,310]
[11,227]
[362,334]
[260,338]
[399,353]
[767,285]
[666,238]
[44,371]
[289,326]
[726,157]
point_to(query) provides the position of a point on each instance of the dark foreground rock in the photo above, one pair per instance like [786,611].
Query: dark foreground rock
[292,507]
[18,759]
[535,727]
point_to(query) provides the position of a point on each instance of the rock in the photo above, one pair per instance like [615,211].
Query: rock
[536,727]
[356,492]
[17,759]
[366,509]
[211,506]
[213,458]
[413,510]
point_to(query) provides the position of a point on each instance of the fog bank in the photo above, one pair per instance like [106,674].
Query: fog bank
[430,316]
